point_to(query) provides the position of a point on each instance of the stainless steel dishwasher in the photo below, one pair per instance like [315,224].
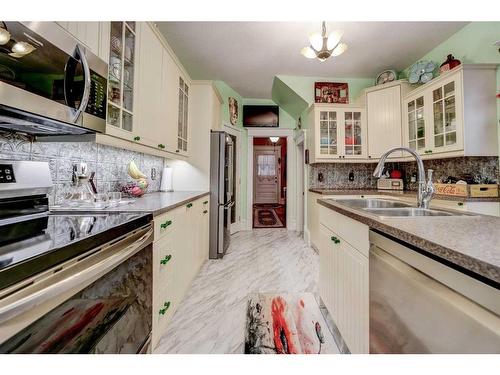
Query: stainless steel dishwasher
[421,305]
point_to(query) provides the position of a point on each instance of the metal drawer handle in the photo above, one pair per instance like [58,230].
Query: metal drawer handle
[206,202]
[163,310]
[335,239]
[205,211]
[166,224]
[189,205]
[166,259]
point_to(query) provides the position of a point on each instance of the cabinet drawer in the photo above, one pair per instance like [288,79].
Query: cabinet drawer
[352,231]
[165,259]
[165,223]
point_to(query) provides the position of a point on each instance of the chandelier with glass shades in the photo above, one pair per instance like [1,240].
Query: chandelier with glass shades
[323,46]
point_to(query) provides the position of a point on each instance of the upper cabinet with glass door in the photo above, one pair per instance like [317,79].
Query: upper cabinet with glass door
[454,113]
[340,132]
[121,76]
[182,117]
[328,134]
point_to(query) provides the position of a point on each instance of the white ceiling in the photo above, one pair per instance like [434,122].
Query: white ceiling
[247,55]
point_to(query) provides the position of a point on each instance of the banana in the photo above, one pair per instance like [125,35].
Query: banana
[134,172]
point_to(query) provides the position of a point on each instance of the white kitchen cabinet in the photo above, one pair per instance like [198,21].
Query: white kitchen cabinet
[343,249]
[89,33]
[454,114]
[180,247]
[151,122]
[182,116]
[339,132]
[122,82]
[384,122]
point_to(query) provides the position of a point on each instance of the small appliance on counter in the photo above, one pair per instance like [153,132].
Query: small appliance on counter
[56,267]
[390,184]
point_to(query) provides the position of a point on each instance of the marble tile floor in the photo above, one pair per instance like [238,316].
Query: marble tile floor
[212,317]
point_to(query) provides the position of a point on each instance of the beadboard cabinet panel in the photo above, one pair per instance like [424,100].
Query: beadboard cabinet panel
[180,248]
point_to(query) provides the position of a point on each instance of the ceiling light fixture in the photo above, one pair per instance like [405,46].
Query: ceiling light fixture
[323,46]
[274,139]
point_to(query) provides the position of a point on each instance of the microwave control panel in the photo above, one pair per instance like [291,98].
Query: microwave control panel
[7,174]
[97,99]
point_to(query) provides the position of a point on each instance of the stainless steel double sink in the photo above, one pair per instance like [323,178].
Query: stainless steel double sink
[385,208]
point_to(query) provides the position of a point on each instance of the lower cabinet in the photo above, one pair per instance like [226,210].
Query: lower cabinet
[344,276]
[180,248]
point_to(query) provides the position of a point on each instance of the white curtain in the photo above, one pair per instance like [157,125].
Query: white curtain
[266,165]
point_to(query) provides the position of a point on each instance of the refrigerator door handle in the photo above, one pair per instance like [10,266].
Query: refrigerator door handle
[228,205]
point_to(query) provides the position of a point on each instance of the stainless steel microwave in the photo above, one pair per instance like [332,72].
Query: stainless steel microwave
[50,84]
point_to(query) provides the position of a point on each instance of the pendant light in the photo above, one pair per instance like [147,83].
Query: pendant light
[322,46]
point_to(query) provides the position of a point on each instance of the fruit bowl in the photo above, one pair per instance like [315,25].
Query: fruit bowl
[134,189]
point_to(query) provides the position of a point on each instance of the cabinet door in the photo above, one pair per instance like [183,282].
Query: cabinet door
[446,131]
[170,99]
[415,128]
[354,134]
[183,116]
[149,84]
[326,272]
[352,296]
[88,33]
[121,80]
[384,121]
[328,134]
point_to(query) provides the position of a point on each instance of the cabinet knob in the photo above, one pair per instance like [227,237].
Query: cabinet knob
[162,146]
[369,156]
[137,138]
[163,310]
[177,151]
[206,202]
[205,211]
[189,205]
[460,203]
[166,259]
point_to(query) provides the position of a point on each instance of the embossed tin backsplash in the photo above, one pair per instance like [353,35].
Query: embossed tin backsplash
[109,163]
[336,175]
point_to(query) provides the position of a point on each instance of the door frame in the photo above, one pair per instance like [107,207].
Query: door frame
[300,145]
[232,130]
[277,150]
[291,223]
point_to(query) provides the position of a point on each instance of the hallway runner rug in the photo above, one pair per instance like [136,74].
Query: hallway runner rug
[268,216]
[286,324]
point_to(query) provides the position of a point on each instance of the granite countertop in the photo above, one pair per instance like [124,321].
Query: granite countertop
[397,193]
[160,202]
[472,242]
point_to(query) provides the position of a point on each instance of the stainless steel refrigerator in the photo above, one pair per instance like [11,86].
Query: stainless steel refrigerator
[221,191]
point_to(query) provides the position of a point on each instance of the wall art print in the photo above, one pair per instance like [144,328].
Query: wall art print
[331,92]
[233,111]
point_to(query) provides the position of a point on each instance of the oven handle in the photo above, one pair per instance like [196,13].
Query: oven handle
[83,278]
[80,51]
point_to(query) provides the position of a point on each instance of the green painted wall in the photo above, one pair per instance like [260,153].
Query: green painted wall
[304,86]
[287,98]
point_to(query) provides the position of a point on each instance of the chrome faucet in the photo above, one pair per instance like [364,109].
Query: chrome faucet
[425,189]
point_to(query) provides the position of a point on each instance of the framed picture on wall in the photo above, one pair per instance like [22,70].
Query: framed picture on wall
[331,92]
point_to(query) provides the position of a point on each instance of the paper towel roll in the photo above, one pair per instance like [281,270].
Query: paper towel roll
[166,180]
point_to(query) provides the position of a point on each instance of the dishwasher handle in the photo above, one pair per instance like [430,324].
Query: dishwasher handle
[82,278]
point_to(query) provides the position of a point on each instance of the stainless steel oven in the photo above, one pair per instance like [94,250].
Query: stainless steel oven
[50,84]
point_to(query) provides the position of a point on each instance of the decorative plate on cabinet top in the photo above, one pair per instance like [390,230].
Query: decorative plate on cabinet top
[386,76]
[421,71]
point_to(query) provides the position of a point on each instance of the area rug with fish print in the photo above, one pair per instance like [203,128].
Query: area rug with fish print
[286,324]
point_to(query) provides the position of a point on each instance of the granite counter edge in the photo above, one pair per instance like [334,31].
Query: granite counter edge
[470,263]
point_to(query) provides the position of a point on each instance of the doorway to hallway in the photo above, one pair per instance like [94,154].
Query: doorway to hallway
[269,182]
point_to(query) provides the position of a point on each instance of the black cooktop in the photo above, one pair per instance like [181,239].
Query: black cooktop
[42,241]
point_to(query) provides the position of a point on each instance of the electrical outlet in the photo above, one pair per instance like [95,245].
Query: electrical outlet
[351,176]
[153,174]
